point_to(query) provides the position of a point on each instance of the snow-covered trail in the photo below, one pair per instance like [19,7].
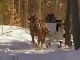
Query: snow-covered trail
[15,44]
[14,37]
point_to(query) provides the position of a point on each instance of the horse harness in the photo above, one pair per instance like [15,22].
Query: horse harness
[38,25]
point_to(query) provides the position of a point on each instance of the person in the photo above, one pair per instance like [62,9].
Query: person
[63,30]
[60,30]
[57,26]
[50,18]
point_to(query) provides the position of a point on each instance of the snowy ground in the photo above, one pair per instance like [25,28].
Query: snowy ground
[15,44]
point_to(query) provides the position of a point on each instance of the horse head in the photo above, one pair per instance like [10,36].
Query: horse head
[34,22]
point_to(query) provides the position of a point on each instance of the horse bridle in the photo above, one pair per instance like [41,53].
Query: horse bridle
[35,24]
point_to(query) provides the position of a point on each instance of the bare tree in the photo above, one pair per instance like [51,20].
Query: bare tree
[17,6]
[67,25]
[40,9]
[25,13]
[75,23]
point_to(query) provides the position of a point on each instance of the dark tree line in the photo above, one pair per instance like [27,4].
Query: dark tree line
[75,23]
[72,9]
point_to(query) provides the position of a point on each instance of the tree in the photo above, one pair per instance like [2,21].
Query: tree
[75,23]
[40,9]
[21,12]
[24,12]
[3,14]
[17,6]
[67,25]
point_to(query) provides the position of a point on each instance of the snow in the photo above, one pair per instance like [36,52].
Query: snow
[15,44]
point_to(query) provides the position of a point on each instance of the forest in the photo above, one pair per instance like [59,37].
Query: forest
[17,12]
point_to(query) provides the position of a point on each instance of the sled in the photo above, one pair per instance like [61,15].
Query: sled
[52,27]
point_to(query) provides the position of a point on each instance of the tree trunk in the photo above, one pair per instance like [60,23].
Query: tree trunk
[17,6]
[75,23]
[67,25]
[57,8]
[21,12]
[11,11]
[25,13]
[40,9]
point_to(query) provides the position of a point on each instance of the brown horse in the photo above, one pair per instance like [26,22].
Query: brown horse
[39,29]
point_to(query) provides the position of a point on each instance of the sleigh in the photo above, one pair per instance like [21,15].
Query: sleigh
[53,35]
[52,27]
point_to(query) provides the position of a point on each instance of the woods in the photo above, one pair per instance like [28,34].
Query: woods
[17,12]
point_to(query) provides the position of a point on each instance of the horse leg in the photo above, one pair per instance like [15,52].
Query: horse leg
[40,45]
[33,42]
[44,36]
[41,40]
[48,43]
[38,41]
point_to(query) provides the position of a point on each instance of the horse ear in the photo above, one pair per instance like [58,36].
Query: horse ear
[28,21]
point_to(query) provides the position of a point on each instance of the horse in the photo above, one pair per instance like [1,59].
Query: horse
[39,29]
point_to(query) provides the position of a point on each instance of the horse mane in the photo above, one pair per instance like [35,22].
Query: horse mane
[43,25]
